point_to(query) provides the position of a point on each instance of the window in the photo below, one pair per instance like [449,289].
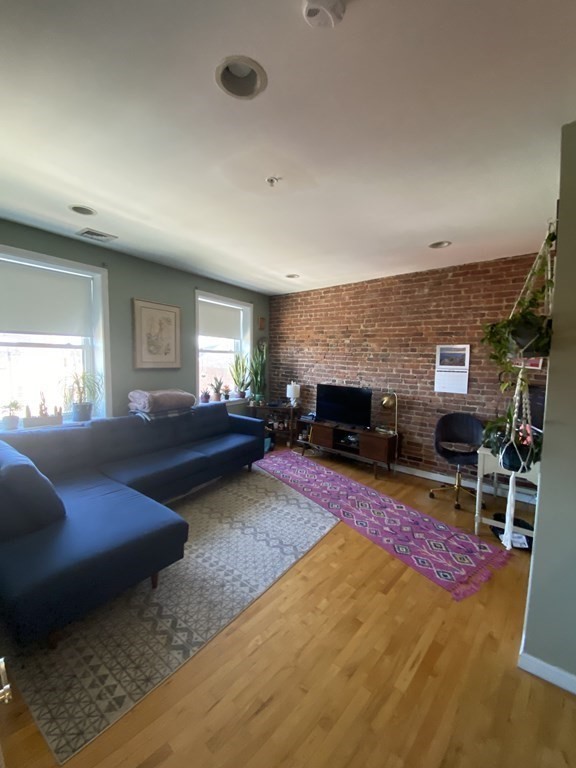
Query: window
[53,320]
[224,327]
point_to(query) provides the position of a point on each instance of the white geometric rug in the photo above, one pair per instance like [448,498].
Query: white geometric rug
[245,532]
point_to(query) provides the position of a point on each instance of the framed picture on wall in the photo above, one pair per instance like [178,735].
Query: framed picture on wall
[156,335]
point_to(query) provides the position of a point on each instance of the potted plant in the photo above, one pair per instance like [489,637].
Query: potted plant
[44,419]
[11,420]
[216,386]
[239,371]
[82,391]
[226,392]
[527,332]
[258,373]
[512,437]
[205,395]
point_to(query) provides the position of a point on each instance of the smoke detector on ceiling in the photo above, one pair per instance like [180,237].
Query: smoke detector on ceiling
[324,13]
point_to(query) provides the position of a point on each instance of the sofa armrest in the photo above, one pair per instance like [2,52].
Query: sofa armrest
[246,425]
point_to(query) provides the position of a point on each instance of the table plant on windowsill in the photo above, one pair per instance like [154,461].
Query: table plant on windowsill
[527,332]
[226,392]
[216,386]
[44,419]
[11,420]
[240,374]
[205,395]
[82,392]
[258,373]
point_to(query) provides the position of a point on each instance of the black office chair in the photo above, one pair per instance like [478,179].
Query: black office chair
[457,438]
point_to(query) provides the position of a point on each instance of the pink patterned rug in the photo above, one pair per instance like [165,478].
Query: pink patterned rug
[460,562]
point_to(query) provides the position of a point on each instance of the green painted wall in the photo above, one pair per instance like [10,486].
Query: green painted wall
[550,630]
[130,277]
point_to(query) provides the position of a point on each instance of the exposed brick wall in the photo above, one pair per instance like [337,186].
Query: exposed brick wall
[383,334]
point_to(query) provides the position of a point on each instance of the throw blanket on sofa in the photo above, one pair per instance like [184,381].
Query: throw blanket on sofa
[160,400]
[170,413]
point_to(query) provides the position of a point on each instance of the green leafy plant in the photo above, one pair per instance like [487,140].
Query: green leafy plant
[11,421]
[239,371]
[258,371]
[12,407]
[217,384]
[527,332]
[524,334]
[83,387]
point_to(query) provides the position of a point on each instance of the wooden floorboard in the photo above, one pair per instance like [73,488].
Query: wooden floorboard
[350,660]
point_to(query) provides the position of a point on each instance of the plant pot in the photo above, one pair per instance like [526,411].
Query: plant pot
[217,396]
[10,422]
[533,336]
[258,398]
[241,393]
[81,411]
[517,458]
[204,398]
[226,397]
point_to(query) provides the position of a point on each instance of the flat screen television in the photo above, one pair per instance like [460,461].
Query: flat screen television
[344,405]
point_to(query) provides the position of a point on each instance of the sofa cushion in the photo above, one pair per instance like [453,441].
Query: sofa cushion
[146,472]
[122,437]
[206,420]
[111,538]
[29,500]
[55,450]
[229,447]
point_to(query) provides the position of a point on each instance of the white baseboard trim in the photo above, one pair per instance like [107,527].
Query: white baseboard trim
[449,479]
[487,487]
[549,672]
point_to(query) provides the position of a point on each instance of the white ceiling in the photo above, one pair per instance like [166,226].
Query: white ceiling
[412,121]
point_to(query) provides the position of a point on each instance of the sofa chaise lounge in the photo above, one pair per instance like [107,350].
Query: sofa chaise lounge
[81,517]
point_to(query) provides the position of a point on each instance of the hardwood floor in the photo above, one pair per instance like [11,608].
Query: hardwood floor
[351,660]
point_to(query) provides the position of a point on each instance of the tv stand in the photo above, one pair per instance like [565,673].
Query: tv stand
[377,448]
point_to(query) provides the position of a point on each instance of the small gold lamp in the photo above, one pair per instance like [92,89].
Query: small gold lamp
[389,401]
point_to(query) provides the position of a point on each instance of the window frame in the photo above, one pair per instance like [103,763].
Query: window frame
[96,347]
[246,342]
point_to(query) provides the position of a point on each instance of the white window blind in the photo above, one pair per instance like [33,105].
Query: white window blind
[219,320]
[38,300]
[223,327]
[53,323]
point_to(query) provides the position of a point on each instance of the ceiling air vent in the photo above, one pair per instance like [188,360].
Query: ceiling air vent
[99,237]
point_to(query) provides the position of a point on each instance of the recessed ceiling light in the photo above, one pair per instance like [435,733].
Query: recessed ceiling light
[241,77]
[292,276]
[441,244]
[83,210]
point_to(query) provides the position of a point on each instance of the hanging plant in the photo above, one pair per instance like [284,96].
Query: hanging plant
[522,444]
[527,332]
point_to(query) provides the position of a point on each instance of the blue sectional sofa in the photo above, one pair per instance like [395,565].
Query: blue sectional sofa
[80,512]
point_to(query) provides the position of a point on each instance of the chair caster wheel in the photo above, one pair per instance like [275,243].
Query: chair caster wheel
[431,495]
[457,506]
